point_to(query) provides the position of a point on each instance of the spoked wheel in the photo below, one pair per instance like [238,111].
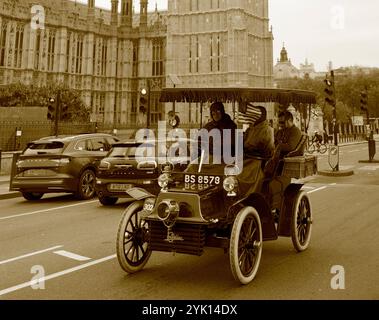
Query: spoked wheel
[323,148]
[301,225]
[133,248]
[246,245]
[86,188]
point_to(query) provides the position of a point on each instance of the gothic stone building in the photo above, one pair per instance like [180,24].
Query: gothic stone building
[110,55]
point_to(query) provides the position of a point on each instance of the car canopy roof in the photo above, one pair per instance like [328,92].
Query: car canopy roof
[241,95]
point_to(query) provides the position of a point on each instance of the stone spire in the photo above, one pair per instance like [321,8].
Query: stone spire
[114,12]
[126,13]
[143,12]
[283,55]
[91,9]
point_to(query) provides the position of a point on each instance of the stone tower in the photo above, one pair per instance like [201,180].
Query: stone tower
[220,43]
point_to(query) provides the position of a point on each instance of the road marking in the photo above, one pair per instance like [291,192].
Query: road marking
[55,275]
[346,167]
[318,189]
[46,210]
[369,168]
[29,254]
[71,255]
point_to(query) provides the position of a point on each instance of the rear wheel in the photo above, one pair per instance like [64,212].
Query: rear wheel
[86,188]
[107,201]
[301,225]
[133,239]
[32,195]
[246,245]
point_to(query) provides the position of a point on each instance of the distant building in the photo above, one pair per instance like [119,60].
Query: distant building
[109,55]
[284,69]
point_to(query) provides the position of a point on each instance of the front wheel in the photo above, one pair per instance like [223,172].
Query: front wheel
[32,195]
[323,148]
[132,245]
[301,225]
[311,148]
[246,245]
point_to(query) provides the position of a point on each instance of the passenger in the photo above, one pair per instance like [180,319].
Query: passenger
[258,142]
[259,137]
[288,136]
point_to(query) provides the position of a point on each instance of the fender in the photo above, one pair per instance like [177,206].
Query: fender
[139,194]
[290,194]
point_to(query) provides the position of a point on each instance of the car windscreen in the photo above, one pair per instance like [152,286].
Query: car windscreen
[47,147]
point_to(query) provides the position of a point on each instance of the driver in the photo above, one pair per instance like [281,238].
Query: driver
[221,121]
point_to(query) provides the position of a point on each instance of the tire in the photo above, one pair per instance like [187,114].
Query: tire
[32,195]
[108,201]
[301,223]
[323,148]
[133,239]
[86,188]
[245,248]
[311,148]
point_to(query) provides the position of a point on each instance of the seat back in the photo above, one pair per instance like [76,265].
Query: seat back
[299,150]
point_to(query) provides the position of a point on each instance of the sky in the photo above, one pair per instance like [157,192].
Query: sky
[345,32]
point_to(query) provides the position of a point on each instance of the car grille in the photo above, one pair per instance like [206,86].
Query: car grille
[129,173]
[193,238]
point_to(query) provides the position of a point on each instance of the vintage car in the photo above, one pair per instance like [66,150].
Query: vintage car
[122,170]
[198,207]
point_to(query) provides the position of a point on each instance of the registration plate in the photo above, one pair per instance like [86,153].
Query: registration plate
[202,179]
[38,173]
[119,187]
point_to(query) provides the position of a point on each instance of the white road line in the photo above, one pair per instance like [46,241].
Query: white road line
[29,254]
[55,275]
[318,189]
[46,210]
[71,255]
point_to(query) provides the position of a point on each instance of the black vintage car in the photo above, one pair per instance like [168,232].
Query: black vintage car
[61,164]
[198,207]
[123,169]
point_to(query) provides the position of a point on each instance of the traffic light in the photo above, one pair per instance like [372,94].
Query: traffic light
[64,112]
[330,97]
[364,101]
[143,101]
[51,109]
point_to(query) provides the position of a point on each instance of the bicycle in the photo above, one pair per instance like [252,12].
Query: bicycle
[317,146]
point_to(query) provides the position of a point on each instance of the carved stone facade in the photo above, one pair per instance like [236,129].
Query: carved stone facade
[110,56]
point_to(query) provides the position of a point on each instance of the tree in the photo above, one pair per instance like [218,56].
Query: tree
[17,94]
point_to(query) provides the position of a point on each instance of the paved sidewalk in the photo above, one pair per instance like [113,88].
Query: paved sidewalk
[4,188]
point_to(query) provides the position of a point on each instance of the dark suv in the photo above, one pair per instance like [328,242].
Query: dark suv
[61,164]
[124,168]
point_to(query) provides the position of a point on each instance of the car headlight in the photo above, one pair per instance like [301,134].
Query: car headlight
[104,165]
[163,180]
[230,185]
[168,211]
